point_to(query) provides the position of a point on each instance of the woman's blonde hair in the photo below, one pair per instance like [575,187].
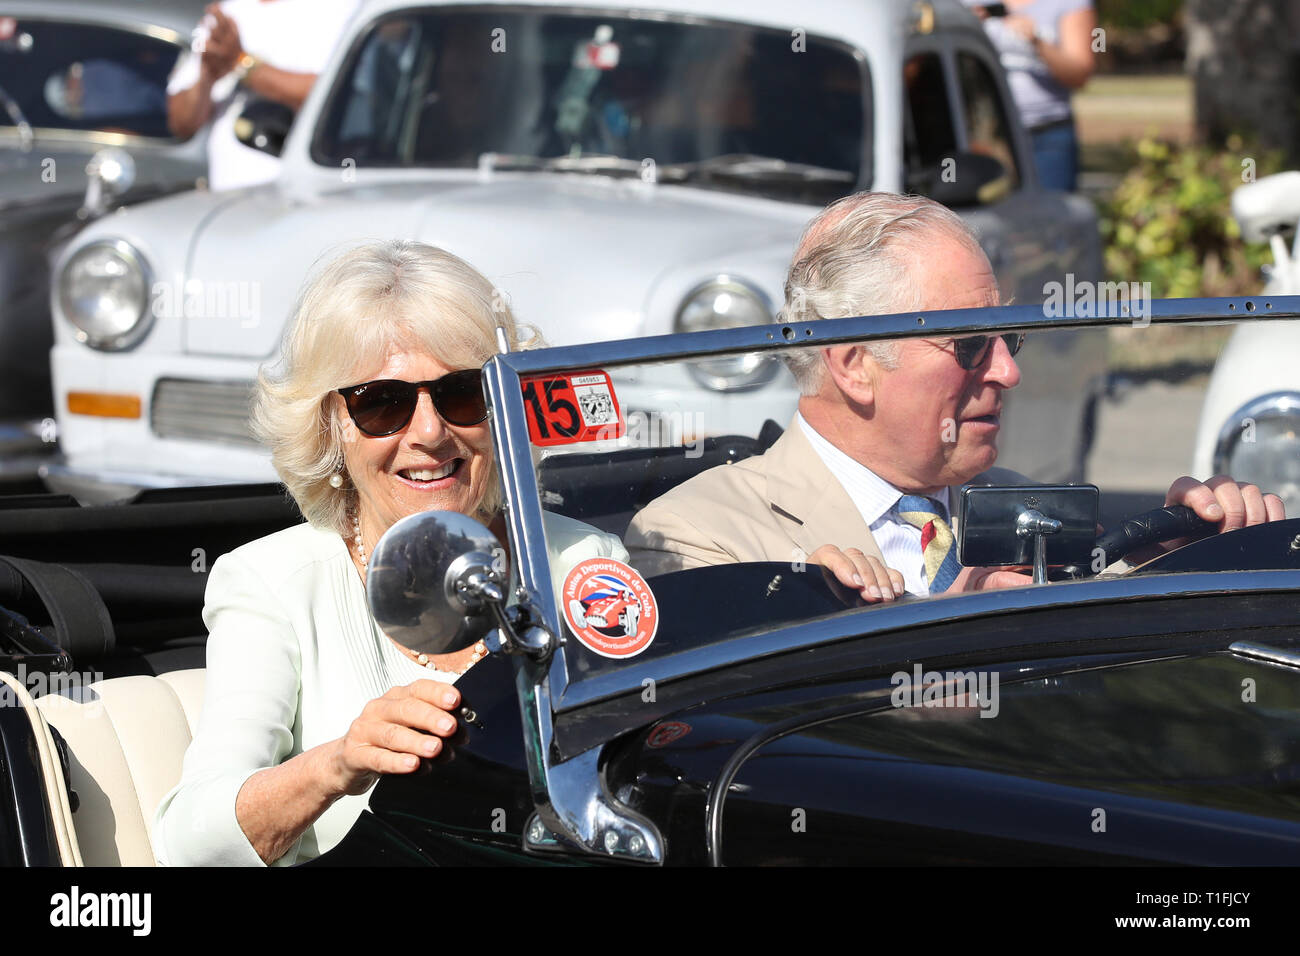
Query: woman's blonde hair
[353,313]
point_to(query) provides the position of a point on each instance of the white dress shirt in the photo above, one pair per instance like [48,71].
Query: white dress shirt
[877,502]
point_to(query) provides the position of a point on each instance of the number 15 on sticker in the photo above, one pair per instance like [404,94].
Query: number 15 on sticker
[573,407]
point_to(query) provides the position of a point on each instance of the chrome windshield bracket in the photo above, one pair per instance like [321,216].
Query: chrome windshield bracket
[589,819]
[575,809]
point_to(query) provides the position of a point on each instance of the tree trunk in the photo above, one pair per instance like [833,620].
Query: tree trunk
[1241,55]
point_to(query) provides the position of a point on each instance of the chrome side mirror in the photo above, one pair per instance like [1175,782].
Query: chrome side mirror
[434,581]
[111,173]
[1037,525]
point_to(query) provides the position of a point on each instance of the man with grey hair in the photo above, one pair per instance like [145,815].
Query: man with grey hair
[862,480]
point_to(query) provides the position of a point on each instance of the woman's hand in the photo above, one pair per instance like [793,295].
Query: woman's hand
[277,804]
[394,732]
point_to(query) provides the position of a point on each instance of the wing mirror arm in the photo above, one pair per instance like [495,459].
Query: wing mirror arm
[1032,523]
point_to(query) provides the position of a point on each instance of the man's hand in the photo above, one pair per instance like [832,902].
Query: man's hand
[1224,503]
[864,575]
[989,579]
[222,50]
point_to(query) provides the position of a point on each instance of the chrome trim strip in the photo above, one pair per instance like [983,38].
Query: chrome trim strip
[1271,405]
[89,17]
[824,332]
[51,135]
[885,618]
[1266,652]
[519,485]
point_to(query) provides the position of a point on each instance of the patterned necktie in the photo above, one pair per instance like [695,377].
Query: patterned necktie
[937,545]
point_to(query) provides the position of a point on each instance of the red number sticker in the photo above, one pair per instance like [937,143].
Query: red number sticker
[571,407]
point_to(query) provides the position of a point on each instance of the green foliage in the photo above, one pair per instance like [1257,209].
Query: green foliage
[1169,222]
[1136,14]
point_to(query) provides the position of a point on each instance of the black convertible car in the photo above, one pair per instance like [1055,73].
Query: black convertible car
[730,715]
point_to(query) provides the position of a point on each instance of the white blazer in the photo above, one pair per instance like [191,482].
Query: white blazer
[293,656]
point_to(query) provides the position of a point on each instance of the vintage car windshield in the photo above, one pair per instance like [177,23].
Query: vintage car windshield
[1144,422]
[719,104]
[82,76]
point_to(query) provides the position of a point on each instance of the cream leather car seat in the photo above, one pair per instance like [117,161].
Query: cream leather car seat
[126,741]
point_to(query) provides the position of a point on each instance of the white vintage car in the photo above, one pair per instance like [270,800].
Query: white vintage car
[616,171]
[1250,422]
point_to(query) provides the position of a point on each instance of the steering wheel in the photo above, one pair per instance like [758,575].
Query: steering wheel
[1151,527]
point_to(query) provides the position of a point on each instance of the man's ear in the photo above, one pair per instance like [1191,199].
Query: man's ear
[853,370]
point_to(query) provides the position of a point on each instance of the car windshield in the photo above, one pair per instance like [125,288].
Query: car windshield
[1116,407]
[81,76]
[724,105]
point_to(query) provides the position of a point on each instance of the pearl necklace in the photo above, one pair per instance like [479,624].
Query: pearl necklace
[480,649]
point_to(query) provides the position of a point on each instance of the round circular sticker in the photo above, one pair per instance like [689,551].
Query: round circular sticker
[610,608]
[664,734]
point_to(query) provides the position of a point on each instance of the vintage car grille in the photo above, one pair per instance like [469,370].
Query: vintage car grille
[203,411]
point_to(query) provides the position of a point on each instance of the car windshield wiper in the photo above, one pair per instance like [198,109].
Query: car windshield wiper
[735,165]
[588,163]
[749,166]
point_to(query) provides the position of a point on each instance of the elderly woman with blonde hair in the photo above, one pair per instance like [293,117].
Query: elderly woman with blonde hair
[377,413]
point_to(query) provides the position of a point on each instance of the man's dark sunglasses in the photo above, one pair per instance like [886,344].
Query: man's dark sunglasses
[972,350]
[385,407]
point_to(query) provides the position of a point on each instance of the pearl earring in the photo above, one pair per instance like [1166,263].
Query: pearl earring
[336,480]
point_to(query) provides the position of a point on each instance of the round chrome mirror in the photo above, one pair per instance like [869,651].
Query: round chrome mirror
[114,168]
[430,579]
[109,174]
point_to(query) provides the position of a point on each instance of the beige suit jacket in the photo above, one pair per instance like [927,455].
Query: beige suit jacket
[779,506]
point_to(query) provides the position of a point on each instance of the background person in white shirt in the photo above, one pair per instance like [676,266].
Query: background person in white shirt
[917,417]
[270,48]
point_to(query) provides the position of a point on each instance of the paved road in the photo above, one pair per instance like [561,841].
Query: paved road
[1144,441]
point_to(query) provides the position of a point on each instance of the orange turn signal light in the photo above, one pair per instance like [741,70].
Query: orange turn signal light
[104,405]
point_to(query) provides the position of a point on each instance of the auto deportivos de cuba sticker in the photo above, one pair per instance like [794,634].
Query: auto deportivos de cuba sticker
[571,407]
[665,733]
[610,608]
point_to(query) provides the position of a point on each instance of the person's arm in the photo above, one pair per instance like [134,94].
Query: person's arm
[285,87]
[265,79]
[275,806]
[660,541]
[239,801]
[190,108]
[250,705]
[1070,59]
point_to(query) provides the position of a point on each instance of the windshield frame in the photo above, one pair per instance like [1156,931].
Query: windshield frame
[138,26]
[347,64]
[502,378]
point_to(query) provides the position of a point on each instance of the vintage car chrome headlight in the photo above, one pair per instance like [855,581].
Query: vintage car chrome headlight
[1260,443]
[104,292]
[727,303]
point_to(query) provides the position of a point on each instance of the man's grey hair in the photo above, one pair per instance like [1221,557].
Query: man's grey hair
[855,258]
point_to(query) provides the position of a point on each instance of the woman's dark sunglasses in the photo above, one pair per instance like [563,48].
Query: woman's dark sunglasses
[385,407]
[972,349]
